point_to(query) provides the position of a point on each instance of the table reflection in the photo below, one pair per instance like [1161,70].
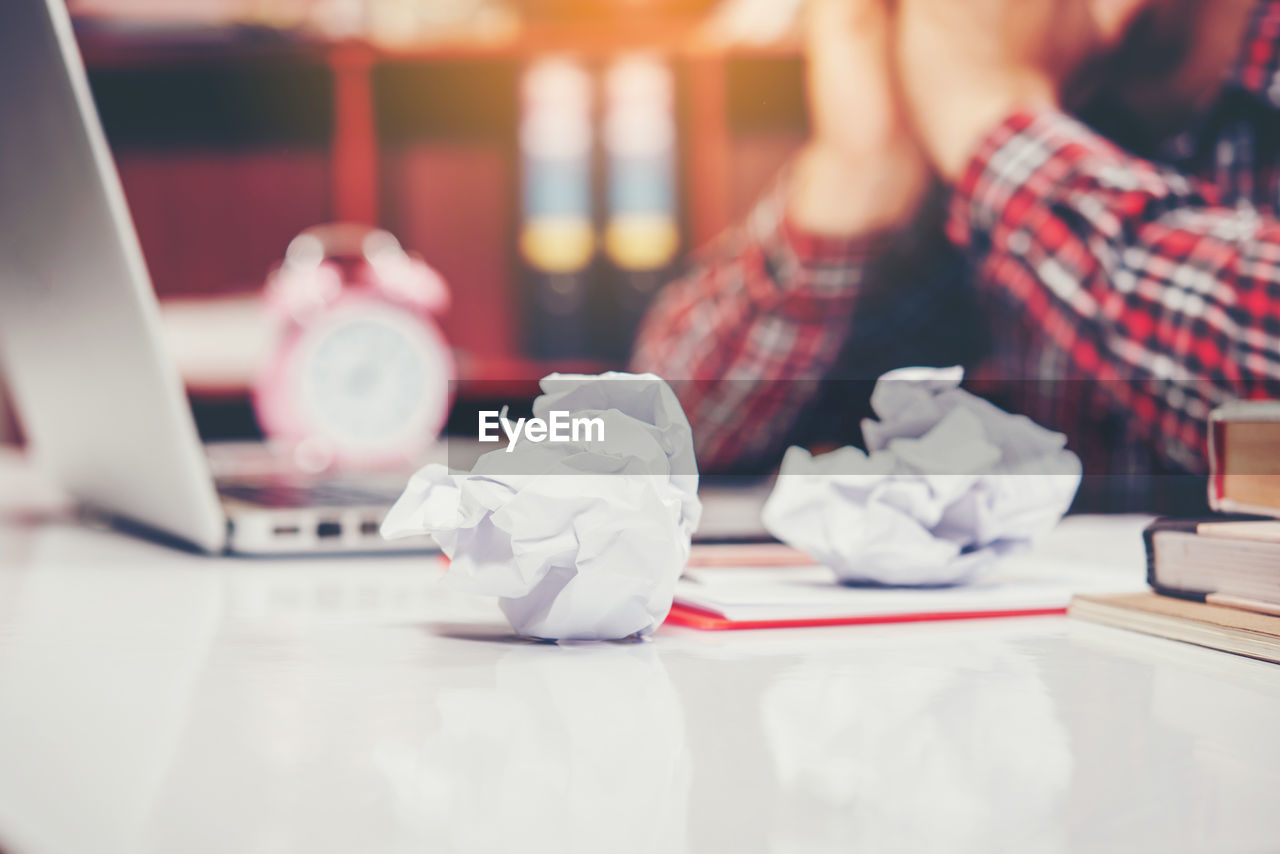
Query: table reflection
[938,750]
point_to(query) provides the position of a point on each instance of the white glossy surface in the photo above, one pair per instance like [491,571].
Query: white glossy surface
[155,701]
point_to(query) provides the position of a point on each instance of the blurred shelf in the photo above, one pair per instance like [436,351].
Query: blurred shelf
[116,47]
[219,345]
[231,141]
[517,377]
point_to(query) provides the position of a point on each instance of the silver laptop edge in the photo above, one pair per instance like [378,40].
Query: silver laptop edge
[80,334]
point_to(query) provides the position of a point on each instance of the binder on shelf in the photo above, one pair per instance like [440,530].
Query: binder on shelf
[557,239]
[641,228]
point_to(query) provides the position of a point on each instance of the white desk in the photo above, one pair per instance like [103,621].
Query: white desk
[156,701]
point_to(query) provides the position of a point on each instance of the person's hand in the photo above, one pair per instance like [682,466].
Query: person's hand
[862,172]
[965,65]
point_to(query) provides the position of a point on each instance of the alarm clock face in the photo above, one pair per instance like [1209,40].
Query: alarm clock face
[373,382]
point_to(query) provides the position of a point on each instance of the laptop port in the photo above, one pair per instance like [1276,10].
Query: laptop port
[286,530]
[329,530]
[370,528]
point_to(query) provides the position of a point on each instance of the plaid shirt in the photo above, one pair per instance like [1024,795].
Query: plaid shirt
[1111,297]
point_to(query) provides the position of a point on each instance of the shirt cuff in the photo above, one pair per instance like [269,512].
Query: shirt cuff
[1017,167]
[803,261]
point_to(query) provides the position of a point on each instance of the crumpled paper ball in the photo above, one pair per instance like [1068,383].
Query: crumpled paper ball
[949,483]
[579,540]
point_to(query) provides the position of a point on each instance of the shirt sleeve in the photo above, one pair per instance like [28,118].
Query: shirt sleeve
[753,336]
[1132,273]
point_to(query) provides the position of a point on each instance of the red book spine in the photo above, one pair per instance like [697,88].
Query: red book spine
[1217,461]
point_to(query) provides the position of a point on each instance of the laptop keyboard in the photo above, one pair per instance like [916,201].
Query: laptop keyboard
[278,496]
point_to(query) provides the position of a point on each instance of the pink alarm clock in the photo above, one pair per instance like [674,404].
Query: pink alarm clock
[361,373]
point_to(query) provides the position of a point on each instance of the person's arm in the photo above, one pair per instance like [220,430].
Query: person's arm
[746,336]
[1168,301]
[754,329]
[771,339]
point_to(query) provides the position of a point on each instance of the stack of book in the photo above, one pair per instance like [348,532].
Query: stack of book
[1216,582]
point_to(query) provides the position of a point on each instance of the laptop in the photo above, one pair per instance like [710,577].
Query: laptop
[80,337]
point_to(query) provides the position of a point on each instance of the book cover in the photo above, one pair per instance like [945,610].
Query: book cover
[1214,626]
[1244,457]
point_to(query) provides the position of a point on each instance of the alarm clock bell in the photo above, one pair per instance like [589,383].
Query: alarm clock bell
[360,374]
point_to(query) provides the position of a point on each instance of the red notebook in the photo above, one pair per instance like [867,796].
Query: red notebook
[719,598]
[695,618]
